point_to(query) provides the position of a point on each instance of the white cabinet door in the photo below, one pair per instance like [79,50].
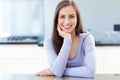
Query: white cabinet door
[31,59]
[28,58]
[112,59]
[100,59]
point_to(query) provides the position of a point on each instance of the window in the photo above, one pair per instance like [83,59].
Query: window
[21,18]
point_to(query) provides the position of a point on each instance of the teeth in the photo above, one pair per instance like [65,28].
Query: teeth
[67,26]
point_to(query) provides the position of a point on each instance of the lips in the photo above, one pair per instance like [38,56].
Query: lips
[67,27]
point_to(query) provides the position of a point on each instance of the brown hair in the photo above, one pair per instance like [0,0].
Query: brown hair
[58,40]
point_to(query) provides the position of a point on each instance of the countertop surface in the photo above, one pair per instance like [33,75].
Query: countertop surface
[33,77]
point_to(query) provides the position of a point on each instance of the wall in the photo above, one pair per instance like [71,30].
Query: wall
[49,9]
[98,17]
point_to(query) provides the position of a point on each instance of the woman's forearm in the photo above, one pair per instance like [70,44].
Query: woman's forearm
[80,72]
[60,62]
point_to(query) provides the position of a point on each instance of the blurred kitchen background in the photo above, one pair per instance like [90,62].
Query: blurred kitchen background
[34,18]
[24,24]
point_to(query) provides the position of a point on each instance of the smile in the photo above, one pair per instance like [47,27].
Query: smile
[67,27]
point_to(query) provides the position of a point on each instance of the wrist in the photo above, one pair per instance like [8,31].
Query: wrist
[67,40]
[68,36]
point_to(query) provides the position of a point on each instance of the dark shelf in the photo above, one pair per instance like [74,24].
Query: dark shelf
[22,40]
[110,44]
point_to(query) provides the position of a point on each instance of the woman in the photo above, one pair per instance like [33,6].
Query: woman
[70,51]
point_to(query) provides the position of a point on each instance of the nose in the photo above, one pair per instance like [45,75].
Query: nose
[66,21]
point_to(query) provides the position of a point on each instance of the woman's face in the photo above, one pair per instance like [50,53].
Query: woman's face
[67,19]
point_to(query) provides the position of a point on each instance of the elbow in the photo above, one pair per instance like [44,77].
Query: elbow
[57,73]
[91,73]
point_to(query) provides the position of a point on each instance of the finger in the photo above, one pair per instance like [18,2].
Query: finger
[58,28]
[37,74]
[40,73]
[59,31]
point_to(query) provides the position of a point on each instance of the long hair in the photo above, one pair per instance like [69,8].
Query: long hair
[58,40]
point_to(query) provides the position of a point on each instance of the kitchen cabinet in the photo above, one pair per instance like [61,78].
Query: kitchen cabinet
[30,58]
[107,59]
[112,58]
[100,59]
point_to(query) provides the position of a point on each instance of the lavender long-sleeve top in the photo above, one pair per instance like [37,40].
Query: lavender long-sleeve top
[81,65]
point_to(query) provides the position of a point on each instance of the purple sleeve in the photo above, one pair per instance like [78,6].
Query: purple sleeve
[88,70]
[56,62]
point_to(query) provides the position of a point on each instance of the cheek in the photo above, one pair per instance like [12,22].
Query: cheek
[60,21]
[75,23]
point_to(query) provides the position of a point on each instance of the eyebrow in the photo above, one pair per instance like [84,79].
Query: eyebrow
[63,14]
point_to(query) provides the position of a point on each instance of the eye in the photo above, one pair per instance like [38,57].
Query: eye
[61,16]
[71,16]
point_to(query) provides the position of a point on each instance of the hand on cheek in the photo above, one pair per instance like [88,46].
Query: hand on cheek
[62,33]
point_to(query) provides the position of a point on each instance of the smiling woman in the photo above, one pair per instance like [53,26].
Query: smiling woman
[70,51]
[67,18]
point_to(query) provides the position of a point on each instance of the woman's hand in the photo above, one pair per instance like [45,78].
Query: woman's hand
[45,72]
[62,33]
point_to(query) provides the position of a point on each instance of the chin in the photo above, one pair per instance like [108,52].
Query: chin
[66,31]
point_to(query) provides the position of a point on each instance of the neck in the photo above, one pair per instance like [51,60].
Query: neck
[73,36]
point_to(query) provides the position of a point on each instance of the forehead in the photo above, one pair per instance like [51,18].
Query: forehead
[67,10]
